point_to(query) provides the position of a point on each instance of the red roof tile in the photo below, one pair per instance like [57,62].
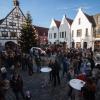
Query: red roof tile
[57,23]
[69,20]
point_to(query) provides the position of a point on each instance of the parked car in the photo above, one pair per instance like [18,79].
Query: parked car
[37,51]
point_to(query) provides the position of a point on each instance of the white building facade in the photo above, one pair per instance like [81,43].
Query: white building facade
[65,31]
[82,31]
[53,33]
[60,32]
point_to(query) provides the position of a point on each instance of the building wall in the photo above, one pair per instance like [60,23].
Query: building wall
[66,29]
[84,24]
[52,30]
[97,32]
[43,40]
[11,26]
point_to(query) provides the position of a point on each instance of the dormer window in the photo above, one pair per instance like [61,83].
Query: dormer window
[79,21]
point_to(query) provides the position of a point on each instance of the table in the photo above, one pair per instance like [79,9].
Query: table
[45,70]
[76,84]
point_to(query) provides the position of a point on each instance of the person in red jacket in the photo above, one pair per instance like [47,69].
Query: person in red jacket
[82,77]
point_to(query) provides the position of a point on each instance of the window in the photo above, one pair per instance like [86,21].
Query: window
[17,15]
[98,19]
[98,31]
[72,33]
[54,35]
[12,24]
[79,33]
[86,34]
[79,21]
[4,34]
[49,35]
[62,34]
[13,34]
[65,34]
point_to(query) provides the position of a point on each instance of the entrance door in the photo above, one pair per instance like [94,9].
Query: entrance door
[85,45]
[73,44]
[10,45]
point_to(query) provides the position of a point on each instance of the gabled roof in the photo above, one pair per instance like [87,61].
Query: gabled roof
[41,30]
[1,21]
[57,23]
[91,19]
[69,20]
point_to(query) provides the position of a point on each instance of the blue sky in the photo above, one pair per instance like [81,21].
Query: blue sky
[42,11]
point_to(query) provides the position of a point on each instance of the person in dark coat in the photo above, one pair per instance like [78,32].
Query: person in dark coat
[30,66]
[38,63]
[65,65]
[51,66]
[16,84]
[92,62]
[97,96]
[2,92]
[55,73]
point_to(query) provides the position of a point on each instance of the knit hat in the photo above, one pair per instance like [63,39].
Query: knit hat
[3,70]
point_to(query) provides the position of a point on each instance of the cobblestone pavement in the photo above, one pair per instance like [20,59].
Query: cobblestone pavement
[34,84]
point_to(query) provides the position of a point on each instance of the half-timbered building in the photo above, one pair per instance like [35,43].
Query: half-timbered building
[10,26]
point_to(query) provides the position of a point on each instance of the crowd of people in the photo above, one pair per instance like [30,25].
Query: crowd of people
[67,64]
[78,64]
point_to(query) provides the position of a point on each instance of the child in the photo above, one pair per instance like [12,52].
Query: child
[3,73]
[28,95]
